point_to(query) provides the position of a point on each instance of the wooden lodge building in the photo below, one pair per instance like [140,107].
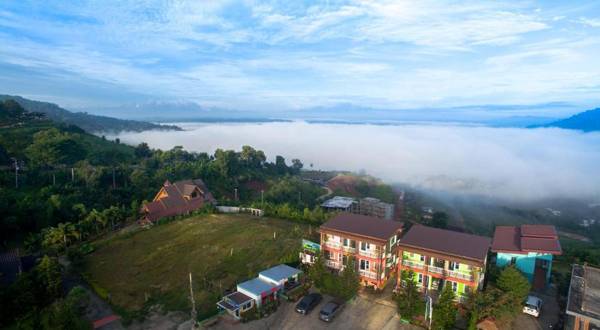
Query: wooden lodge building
[181,197]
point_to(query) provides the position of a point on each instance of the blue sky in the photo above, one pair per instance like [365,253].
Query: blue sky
[251,55]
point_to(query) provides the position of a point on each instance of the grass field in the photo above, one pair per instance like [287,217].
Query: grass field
[154,264]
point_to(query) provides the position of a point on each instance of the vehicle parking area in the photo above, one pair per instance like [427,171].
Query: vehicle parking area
[360,313]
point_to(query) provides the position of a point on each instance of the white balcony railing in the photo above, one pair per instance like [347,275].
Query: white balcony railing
[333,264]
[333,244]
[413,264]
[435,269]
[369,253]
[462,276]
[349,249]
[368,274]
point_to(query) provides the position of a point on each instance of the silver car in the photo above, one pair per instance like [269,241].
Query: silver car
[533,306]
[330,310]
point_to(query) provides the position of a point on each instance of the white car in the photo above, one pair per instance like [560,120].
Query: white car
[533,306]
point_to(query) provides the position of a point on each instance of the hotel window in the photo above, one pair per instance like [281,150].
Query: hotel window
[422,258]
[393,240]
[364,246]
[364,265]
[454,286]
[454,265]
[349,243]
[420,279]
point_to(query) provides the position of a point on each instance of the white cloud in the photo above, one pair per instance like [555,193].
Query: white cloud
[507,163]
[593,22]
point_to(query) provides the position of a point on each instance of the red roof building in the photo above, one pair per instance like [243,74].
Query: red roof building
[370,241]
[181,197]
[530,248]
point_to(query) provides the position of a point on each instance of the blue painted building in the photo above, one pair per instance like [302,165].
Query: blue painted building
[530,248]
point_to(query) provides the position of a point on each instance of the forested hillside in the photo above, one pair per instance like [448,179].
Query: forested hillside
[89,123]
[65,174]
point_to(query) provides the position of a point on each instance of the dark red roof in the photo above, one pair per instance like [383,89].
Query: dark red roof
[545,231]
[178,200]
[363,225]
[525,239]
[447,242]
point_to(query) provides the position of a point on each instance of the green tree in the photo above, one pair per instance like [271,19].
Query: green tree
[49,276]
[53,147]
[444,312]
[318,271]
[439,220]
[408,299]
[350,280]
[512,282]
[143,150]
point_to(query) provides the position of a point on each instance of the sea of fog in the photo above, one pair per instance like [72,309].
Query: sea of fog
[512,163]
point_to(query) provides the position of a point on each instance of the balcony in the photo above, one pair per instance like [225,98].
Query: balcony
[459,275]
[413,264]
[369,253]
[333,244]
[368,274]
[349,249]
[435,269]
[333,264]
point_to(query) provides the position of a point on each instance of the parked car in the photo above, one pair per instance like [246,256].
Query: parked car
[533,306]
[309,302]
[330,310]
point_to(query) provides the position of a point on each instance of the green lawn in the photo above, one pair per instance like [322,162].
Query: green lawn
[155,263]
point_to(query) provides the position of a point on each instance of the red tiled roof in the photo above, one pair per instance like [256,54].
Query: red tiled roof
[525,239]
[447,242]
[363,225]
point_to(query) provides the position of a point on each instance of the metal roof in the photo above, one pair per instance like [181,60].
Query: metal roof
[279,272]
[447,242]
[338,202]
[584,293]
[256,286]
[525,239]
[363,225]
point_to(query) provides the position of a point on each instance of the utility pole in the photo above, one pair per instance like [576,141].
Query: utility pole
[193,313]
[262,197]
[428,310]
[235,194]
[16,173]
[114,182]
[72,174]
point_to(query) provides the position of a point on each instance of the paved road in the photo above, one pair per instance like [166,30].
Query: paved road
[360,313]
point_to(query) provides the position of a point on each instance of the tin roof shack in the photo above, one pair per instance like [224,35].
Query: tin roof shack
[583,303]
[340,203]
[283,276]
[441,257]
[236,303]
[530,248]
[369,240]
[259,290]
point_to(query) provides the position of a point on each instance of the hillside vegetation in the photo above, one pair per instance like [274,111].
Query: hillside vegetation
[219,250]
[88,122]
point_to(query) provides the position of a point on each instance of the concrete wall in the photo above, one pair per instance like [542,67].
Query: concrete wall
[525,262]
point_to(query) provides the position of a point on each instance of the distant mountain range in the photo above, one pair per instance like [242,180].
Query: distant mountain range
[88,122]
[588,121]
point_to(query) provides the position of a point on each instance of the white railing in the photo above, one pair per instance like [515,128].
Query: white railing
[333,244]
[349,249]
[369,253]
[463,276]
[368,274]
[435,269]
[412,264]
[333,264]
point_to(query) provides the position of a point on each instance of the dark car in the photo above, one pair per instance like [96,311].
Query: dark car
[330,310]
[308,303]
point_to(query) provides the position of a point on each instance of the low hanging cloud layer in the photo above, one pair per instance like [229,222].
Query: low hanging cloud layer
[509,163]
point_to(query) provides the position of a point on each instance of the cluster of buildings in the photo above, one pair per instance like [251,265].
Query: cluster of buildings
[438,257]
[268,286]
[365,206]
